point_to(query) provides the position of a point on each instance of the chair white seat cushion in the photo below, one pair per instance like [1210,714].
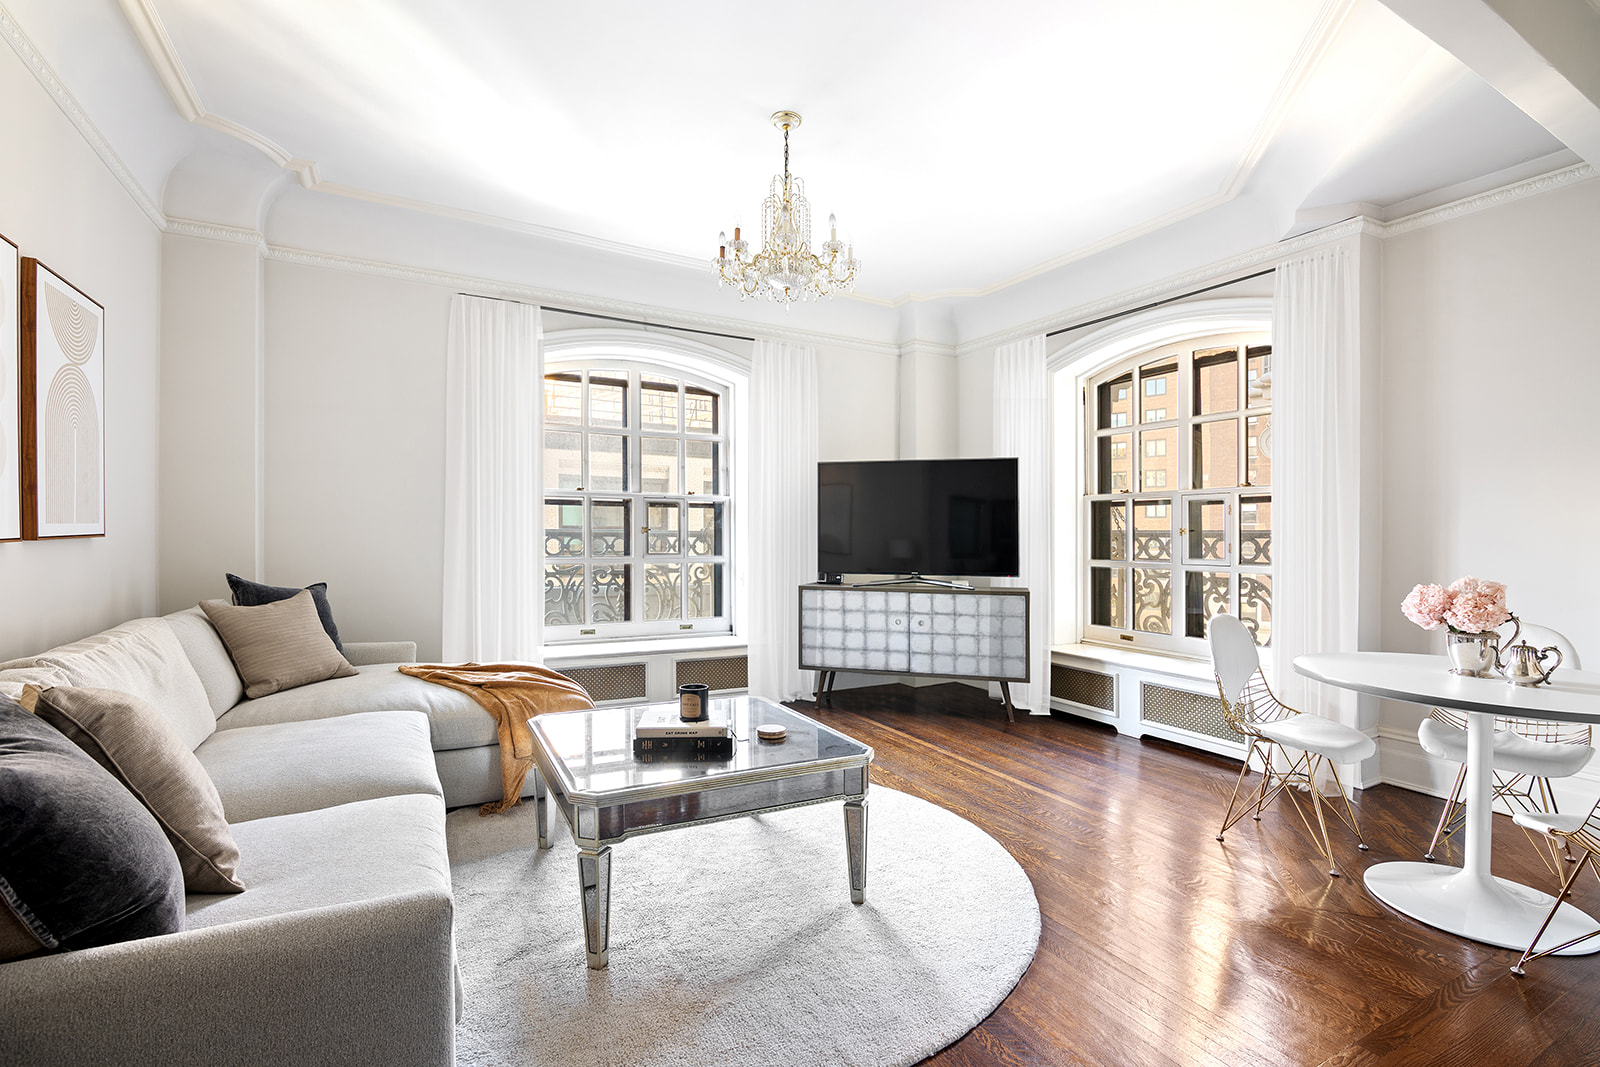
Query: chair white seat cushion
[1513,753]
[1550,821]
[1324,737]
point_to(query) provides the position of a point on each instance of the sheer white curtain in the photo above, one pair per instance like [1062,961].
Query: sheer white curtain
[781,512]
[1316,412]
[492,483]
[1022,429]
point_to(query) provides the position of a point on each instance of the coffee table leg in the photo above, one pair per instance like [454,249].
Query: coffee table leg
[855,839]
[594,884]
[541,808]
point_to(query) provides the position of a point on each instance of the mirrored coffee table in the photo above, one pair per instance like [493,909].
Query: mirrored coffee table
[584,763]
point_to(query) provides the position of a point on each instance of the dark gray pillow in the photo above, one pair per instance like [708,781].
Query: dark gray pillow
[82,862]
[248,594]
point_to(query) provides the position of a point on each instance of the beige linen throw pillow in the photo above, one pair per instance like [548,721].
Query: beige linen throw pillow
[132,739]
[277,646]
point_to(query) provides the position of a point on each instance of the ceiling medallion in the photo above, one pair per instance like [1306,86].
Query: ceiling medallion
[786,269]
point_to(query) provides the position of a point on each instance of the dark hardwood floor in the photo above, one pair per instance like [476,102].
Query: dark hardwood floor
[1160,945]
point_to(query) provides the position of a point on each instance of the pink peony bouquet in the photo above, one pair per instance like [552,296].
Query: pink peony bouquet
[1468,606]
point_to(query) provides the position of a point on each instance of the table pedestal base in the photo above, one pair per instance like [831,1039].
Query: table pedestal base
[1495,911]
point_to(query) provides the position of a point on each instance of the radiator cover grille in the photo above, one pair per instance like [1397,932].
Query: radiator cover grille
[729,672]
[610,681]
[1184,710]
[1090,688]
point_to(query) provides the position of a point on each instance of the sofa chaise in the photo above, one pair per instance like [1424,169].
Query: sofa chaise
[341,948]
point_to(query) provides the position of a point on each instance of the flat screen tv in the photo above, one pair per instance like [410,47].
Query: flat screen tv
[955,517]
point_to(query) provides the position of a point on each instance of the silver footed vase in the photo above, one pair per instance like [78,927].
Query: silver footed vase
[1477,655]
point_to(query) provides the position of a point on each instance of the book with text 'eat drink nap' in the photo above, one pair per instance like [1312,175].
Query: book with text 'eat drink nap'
[663,721]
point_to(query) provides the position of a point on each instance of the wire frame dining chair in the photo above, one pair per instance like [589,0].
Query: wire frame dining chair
[1274,731]
[1523,770]
[1581,832]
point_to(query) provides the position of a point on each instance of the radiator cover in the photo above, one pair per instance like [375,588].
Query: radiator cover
[1089,688]
[610,681]
[727,672]
[1185,710]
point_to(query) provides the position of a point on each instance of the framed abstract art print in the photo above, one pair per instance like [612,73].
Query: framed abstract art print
[63,382]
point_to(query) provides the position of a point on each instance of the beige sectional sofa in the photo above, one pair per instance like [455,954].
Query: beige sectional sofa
[341,948]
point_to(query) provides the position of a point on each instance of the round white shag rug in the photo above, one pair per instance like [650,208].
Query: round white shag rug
[736,942]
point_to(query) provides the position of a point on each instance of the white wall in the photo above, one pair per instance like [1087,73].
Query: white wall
[211,335]
[975,403]
[857,397]
[60,204]
[354,447]
[1492,447]
[929,404]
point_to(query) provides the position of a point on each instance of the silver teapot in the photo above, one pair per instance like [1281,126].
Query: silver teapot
[1522,664]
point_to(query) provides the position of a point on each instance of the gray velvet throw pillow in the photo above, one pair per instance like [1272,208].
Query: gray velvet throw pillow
[277,646]
[82,862]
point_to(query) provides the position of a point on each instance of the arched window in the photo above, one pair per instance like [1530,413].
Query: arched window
[1178,491]
[638,497]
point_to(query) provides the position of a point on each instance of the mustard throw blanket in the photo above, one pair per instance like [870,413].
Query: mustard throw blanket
[513,693]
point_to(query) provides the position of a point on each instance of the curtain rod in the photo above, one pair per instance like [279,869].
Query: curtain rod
[1158,303]
[614,318]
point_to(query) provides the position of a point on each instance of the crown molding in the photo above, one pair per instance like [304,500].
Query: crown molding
[58,92]
[927,348]
[575,301]
[212,231]
[1471,205]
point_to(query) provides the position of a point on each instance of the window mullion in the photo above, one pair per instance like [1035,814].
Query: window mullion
[586,576]
[683,502]
[635,483]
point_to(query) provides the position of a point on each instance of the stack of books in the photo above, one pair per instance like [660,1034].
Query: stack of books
[663,737]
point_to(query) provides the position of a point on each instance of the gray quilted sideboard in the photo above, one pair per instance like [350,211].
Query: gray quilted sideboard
[979,634]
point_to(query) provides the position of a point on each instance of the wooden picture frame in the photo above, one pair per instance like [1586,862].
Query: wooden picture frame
[10,391]
[63,386]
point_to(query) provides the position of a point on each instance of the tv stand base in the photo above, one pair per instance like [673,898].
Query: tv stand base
[914,579]
[824,692]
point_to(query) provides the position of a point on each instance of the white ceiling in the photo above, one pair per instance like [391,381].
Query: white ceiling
[963,146]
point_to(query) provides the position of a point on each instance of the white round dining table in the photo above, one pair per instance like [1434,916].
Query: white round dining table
[1468,900]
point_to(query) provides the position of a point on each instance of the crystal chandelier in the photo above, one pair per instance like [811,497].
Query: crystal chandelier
[786,269]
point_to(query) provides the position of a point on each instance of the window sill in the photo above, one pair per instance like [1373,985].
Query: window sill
[1141,660]
[583,651]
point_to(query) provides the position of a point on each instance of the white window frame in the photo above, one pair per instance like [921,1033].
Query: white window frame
[695,365]
[1178,497]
